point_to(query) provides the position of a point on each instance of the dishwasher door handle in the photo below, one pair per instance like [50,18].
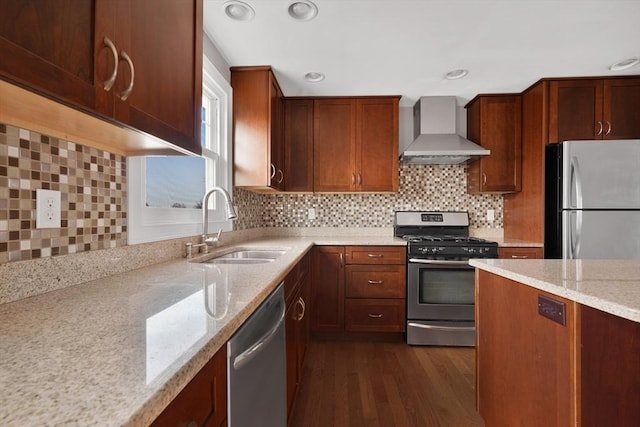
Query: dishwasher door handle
[247,355]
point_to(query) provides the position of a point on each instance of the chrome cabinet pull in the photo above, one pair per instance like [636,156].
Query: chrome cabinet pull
[376,282]
[353,179]
[608,128]
[300,314]
[484,178]
[341,259]
[375,316]
[108,84]
[600,128]
[519,256]
[359,178]
[375,255]
[124,95]
[281,176]
[273,171]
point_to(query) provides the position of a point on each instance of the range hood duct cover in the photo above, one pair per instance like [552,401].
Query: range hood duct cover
[435,139]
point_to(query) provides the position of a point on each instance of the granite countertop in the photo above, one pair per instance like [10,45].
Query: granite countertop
[115,351]
[612,286]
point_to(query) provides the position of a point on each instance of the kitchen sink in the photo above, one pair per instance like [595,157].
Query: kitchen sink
[246,256]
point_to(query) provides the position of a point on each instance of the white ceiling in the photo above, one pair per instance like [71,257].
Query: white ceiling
[404,47]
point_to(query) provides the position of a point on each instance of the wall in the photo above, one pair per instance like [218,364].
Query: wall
[93,192]
[422,187]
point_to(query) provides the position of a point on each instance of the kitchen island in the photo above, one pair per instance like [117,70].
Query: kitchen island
[558,342]
[117,350]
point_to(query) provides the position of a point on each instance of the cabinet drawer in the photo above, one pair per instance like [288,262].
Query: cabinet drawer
[520,252]
[375,281]
[375,255]
[375,315]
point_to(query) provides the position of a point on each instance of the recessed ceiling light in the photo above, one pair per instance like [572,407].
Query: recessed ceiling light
[456,74]
[625,64]
[303,10]
[238,11]
[314,77]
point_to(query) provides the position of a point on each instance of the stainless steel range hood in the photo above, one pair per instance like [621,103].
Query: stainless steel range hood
[435,139]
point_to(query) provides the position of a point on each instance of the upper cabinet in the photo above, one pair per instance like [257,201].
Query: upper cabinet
[137,63]
[356,144]
[594,109]
[298,144]
[494,122]
[257,129]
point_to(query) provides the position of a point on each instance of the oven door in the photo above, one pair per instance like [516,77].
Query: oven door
[440,303]
[440,290]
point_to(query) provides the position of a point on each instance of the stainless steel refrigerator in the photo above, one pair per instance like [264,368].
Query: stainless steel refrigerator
[592,200]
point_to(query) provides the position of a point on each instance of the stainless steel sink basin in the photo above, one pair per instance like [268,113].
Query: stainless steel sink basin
[246,256]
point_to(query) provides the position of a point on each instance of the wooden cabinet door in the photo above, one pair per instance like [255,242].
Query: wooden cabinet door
[334,156]
[494,122]
[575,110]
[48,47]
[377,144]
[163,39]
[525,362]
[291,339]
[327,289]
[621,113]
[203,402]
[276,146]
[298,144]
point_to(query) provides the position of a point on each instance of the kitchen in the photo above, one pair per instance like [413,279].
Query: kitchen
[420,188]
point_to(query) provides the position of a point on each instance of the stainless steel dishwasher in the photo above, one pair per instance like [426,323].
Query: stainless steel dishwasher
[257,367]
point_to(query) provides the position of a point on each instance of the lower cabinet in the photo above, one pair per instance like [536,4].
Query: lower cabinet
[203,402]
[358,289]
[296,326]
[534,371]
[520,252]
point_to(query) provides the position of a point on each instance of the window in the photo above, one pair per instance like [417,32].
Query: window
[165,192]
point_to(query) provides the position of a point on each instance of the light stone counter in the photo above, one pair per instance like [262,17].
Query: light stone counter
[115,351]
[612,286]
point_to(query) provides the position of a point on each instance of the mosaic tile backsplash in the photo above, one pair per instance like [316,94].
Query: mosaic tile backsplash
[422,187]
[93,196]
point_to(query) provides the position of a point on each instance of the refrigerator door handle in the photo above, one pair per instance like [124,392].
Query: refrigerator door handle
[575,233]
[576,184]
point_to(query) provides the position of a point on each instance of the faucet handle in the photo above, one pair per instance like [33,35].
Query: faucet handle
[212,241]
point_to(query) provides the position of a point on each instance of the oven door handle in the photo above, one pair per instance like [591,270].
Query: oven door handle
[438,262]
[442,328]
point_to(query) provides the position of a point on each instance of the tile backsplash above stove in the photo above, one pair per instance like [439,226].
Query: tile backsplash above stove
[422,187]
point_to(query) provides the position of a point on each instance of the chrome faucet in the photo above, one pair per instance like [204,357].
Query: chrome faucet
[231,214]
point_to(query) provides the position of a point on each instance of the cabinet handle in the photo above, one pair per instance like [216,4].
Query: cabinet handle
[376,282]
[124,95]
[519,256]
[608,128]
[353,179]
[484,178]
[281,174]
[273,171]
[600,128]
[341,259]
[304,308]
[375,316]
[375,255]
[108,84]
[359,180]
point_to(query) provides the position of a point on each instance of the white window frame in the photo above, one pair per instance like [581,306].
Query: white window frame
[146,224]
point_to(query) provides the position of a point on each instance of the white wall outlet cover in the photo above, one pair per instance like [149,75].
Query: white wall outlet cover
[48,209]
[491,215]
[312,213]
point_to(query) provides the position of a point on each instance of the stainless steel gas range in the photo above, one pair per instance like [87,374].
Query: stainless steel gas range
[440,281]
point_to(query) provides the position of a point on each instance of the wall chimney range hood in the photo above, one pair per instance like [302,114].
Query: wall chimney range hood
[435,139]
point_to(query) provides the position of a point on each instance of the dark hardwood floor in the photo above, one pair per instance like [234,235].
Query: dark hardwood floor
[387,385]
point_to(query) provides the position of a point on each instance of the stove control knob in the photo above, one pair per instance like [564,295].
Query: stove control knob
[471,250]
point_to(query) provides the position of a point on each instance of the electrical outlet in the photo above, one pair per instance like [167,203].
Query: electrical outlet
[47,209]
[491,215]
[311,213]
